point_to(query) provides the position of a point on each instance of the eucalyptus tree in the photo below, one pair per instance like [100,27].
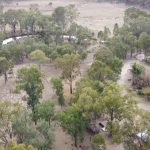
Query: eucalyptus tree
[116,28]
[58,87]
[137,21]
[69,65]
[45,111]
[31,20]
[38,56]
[144,43]
[39,135]
[104,35]
[2,23]
[29,79]
[5,66]
[11,18]
[117,106]
[106,56]
[8,111]
[59,16]
[22,16]
[100,71]
[89,103]
[135,133]
[73,123]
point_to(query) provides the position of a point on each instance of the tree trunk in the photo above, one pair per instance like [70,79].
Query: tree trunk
[71,91]
[6,78]
[21,32]
[111,118]
[35,121]
[33,115]
[145,56]
[39,66]
[49,122]
[32,28]
[75,140]
[131,54]
[111,129]
[4,29]
[14,30]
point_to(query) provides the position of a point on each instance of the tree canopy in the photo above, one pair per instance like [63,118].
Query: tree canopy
[69,65]
[73,122]
[29,80]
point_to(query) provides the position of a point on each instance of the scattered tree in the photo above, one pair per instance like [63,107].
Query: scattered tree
[58,86]
[144,43]
[116,28]
[69,65]
[40,136]
[59,16]
[29,80]
[38,56]
[5,65]
[8,111]
[72,121]
[89,103]
[118,107]
[45,110]
[100,71]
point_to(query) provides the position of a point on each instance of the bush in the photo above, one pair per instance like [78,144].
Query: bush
[98,142]
[140,92]
[116,139]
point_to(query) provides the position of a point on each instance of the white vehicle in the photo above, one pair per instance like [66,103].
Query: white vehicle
[8,41]
[11,40]
[143,136]
[103,128]
[67,37]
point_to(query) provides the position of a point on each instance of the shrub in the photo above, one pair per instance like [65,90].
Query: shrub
[98,142]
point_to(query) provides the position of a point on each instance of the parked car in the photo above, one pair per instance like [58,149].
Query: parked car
[143,136]
[93,128]
[103,128]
